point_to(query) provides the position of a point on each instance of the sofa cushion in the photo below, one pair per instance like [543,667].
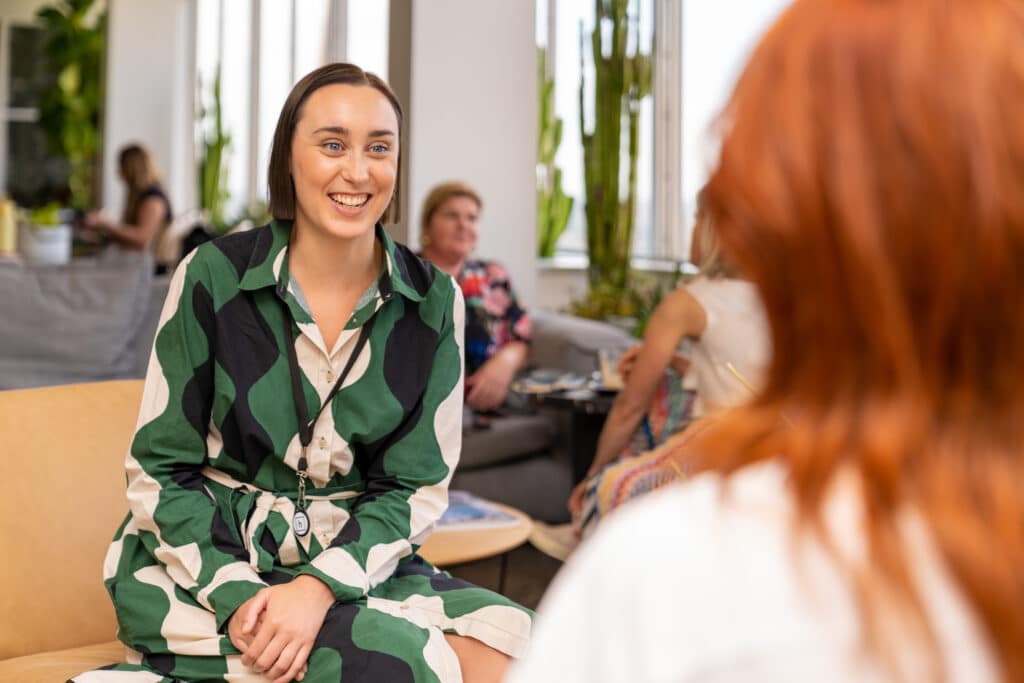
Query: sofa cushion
[64,497]
[568,343]
[60,665]
[538,486]
[508,437]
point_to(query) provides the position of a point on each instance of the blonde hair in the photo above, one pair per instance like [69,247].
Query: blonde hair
[709,260]
[442,193]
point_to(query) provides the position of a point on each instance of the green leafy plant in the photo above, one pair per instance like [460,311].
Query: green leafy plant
[70,112]
[622,79]
[553,205]
[632,305]
[45,216]
[215,145]
[255,214]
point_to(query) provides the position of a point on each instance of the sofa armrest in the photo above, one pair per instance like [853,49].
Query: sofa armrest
[569,343]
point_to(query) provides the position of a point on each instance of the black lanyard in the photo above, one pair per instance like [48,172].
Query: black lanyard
[300,522]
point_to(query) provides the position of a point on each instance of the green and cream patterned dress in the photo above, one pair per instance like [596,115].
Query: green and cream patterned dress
[212,474]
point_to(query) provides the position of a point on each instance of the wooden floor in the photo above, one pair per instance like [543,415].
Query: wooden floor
[529,573]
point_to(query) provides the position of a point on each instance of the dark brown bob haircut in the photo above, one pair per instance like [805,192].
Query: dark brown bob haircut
[279,178]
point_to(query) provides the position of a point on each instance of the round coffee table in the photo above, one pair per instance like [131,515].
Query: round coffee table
[449,545]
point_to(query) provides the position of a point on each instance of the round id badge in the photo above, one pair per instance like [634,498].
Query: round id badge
[300,523]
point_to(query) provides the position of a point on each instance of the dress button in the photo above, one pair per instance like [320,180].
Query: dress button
[323,443]
[330,376]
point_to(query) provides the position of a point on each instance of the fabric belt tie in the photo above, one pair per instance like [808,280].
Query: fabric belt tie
[253,506]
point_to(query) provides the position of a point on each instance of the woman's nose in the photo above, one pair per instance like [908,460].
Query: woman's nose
[354,168]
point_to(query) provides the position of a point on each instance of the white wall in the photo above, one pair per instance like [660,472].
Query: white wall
[150,96]
[20,10]
[473,117]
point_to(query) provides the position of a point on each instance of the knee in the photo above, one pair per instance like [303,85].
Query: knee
[479,663]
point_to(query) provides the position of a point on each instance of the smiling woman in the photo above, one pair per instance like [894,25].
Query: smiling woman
[286,469]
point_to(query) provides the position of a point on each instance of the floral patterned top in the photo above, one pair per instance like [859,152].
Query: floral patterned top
[493,314]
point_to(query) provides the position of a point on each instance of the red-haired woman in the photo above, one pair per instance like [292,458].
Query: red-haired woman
[862,519]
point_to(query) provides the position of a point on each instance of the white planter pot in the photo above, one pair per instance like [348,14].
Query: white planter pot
[45,245]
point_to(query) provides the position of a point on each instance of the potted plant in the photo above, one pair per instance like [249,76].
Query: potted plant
[553,205]
[45,235]
[214,147]
[70,112]
[622,79]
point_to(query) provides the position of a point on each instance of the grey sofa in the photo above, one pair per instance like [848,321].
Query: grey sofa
[523,460]
[92,319]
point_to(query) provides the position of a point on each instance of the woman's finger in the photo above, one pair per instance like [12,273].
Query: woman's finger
[270,653]
[255,609]
[258,646]
[284,664]
[298,668]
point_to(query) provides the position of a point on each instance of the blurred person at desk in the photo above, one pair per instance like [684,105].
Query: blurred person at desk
[497,327]
[147,211]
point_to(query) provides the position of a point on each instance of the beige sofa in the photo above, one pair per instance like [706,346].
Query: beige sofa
[62,452]
[62,463]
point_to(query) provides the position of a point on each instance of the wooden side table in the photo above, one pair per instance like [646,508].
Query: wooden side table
[449,546]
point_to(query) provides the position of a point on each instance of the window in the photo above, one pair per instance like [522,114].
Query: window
[559,29]
[263,47]
[717,38]
[28,173]
[698,49]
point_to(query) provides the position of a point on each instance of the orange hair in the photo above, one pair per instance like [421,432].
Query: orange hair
[870,185]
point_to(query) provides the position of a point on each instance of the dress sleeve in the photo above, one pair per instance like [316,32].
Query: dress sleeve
[407,483]
[516,322]
[179,522]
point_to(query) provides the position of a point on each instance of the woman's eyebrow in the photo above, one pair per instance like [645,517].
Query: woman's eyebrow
[337,130]
[340,130]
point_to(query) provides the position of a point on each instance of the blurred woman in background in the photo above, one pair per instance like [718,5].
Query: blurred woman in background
[147,211]
[497,328]
[680,373]
[862,519]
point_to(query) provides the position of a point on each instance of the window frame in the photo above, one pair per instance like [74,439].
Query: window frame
[336,50]
[670,245]
[9,114]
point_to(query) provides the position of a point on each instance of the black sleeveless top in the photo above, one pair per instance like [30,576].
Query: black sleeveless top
[154,191]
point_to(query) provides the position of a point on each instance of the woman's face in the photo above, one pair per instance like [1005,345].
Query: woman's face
[453,228]
[344,160]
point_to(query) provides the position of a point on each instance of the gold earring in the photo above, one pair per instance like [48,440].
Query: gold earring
[425,240]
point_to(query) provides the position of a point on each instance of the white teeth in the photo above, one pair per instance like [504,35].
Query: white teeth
[349,200]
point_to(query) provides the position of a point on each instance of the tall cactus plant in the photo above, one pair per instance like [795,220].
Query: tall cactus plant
[553,206]
[622,79]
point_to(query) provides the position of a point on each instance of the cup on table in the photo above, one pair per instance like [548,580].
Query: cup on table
[608,360]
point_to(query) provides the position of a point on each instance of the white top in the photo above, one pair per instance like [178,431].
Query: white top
[736,332]
[689,585]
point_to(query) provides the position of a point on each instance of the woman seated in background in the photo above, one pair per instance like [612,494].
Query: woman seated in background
[147,210]
[497,328]
[862,518]
[715,320]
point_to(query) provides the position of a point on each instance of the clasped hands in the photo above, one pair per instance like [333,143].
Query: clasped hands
[276,628]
